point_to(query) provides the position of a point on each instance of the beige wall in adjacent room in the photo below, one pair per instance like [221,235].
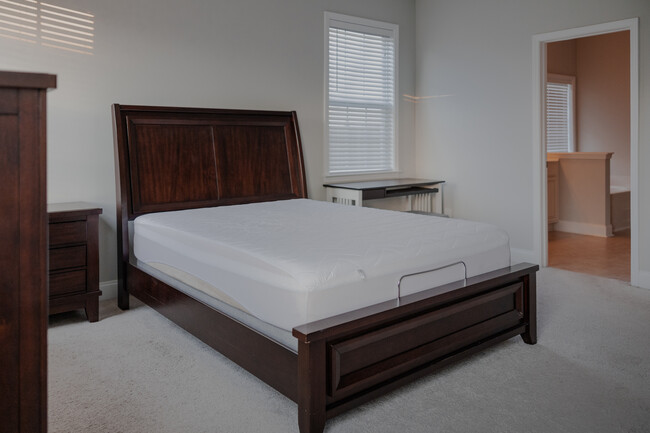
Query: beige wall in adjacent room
[603,88]
[561,58]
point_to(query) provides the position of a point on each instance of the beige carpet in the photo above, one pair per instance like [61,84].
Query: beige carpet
[135,371]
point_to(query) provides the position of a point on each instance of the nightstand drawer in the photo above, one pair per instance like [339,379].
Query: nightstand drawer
[74,258]
[67,233]
[70,257]
[67,282]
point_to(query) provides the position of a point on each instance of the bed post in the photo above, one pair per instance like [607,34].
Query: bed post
[530,308]
[121,189]
[122,263]
[311,386]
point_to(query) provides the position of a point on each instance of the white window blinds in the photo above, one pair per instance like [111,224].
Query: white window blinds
[559,117]
[361,109]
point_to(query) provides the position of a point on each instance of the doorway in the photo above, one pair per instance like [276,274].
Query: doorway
[541,236]
[588,154]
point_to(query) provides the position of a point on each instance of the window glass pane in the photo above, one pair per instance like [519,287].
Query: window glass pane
[361,98]
[559,119]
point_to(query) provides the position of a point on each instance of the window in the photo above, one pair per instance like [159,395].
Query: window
[560,119]
[361,76]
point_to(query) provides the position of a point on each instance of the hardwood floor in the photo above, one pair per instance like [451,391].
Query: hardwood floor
[605,257]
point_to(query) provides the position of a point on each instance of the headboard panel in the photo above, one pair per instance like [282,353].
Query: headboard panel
[180,158]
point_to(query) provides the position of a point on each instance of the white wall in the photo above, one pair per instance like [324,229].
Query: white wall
[479,138]
[255,54]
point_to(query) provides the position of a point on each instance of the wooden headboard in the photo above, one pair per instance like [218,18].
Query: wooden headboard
[171,158]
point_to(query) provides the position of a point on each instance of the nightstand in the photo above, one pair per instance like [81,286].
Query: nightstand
[74,258]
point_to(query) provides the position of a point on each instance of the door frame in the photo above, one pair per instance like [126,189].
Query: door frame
[539,134]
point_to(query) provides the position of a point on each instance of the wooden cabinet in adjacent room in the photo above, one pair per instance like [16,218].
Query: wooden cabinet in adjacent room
[23,252]
[553,192]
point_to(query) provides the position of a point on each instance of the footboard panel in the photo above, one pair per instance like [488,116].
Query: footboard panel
[362,361]
[347,360]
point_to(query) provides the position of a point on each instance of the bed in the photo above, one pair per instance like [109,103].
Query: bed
[175,160]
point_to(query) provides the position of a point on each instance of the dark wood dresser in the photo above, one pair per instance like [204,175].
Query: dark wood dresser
[74,258]
[23,252]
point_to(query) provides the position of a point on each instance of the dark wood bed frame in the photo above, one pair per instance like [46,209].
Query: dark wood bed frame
[181,158]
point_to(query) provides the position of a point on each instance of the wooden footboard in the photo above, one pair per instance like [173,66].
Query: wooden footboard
[349,359]
[346,360]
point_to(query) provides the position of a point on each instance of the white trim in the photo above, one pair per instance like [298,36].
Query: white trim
[602,230]
[540,234]
[383,174]
[643,280]
[540,204]
[621,228]
[635,271]
[109,289]
[381,27]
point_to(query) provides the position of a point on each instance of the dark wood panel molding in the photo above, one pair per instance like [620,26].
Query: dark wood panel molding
[23,257]
[173,163]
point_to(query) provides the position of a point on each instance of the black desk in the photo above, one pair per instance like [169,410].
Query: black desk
[354,193]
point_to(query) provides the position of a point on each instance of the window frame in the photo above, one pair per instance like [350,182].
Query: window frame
[361,25]
[570,80]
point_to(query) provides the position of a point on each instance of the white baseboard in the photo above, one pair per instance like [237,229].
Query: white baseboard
[644,279]
[109,289]
[601,230]
[518,255]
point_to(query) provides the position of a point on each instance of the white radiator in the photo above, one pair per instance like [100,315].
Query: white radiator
[344,200]
[422,202]
[349,197]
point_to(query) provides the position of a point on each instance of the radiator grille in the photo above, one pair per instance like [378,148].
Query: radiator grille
[343,200]
[422,203]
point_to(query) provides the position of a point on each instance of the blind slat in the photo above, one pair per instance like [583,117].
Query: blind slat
[559,127]
[361,98]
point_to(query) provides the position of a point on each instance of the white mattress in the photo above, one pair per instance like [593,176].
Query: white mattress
[291,262]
